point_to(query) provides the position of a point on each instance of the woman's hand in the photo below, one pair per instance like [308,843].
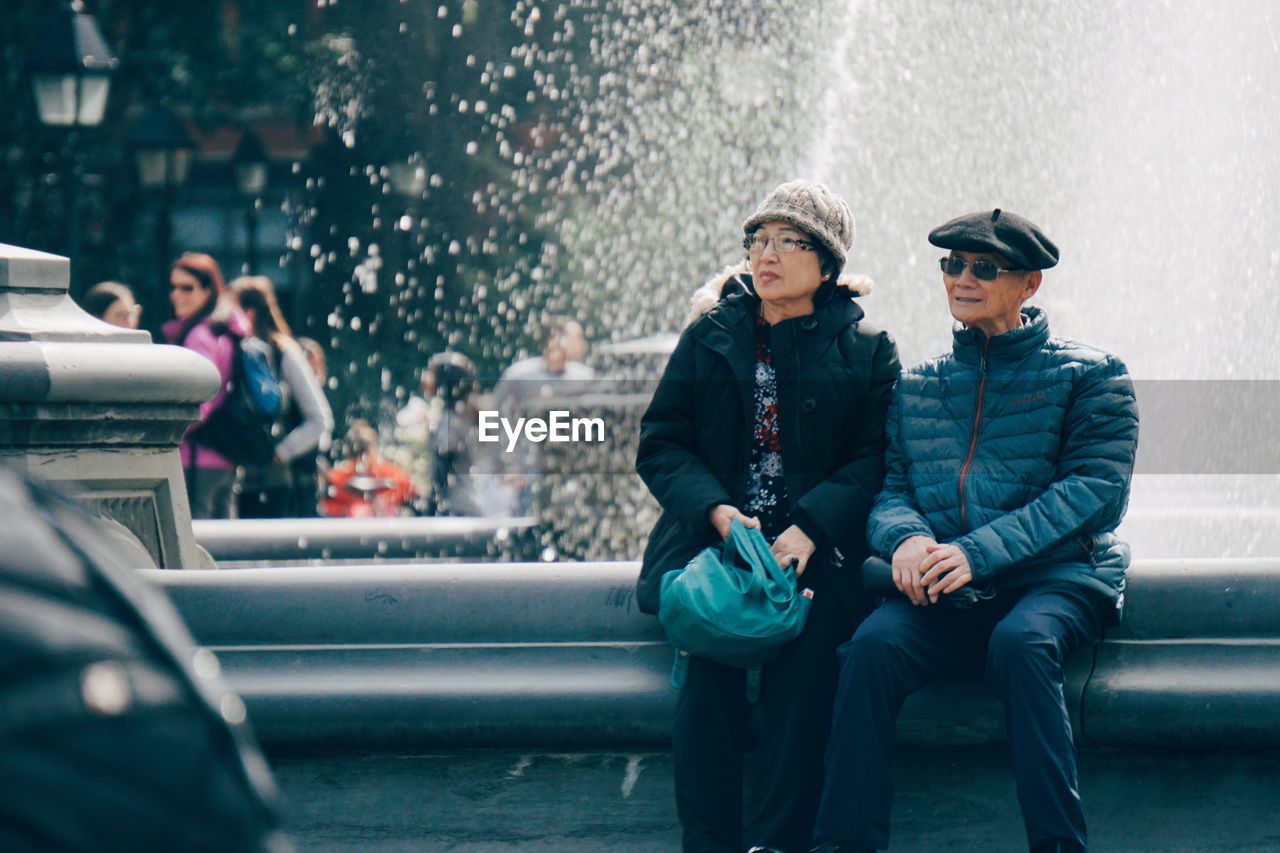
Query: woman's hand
[793,544]
[944,570]
[907,570]
[723,515]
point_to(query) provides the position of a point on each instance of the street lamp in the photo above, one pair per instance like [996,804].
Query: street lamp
[162,151]
[251,169]
[409,179]
[70,67]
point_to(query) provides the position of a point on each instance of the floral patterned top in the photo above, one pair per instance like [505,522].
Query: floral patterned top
[766,488]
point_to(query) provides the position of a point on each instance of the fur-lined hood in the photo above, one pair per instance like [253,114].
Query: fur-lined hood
[712,290]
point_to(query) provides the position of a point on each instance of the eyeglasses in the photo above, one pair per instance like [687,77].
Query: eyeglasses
[185,288]
[756,244]
[982,270]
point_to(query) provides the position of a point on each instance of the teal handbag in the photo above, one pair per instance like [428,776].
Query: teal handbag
[732,604]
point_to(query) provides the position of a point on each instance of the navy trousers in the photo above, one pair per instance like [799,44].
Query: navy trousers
[1025,635]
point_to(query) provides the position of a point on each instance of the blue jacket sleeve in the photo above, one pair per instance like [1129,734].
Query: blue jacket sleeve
[667,458]
[894,517]
[1091,489]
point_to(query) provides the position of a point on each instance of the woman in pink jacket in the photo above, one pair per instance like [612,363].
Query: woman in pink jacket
[205,320]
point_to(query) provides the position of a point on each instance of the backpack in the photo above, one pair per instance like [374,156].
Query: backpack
[732,604]
[242,428]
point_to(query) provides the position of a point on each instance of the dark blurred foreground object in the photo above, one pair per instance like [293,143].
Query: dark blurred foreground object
[116,732]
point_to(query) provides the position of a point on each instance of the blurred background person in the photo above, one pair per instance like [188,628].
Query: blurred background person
[436,433]
[412,424]
[575,342]
[315,359]
[521,392]
[563,348]
[308,480]
[364,484]
[113,302]
[267,491]
[205,319]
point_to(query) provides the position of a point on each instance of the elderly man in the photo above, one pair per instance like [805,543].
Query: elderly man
[1008,470]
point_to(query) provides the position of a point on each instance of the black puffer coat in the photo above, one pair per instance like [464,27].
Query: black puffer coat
[835,376]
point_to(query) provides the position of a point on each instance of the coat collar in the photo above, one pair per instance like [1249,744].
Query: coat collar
[736,279]
[730,296]
[727,325]
[1013,345]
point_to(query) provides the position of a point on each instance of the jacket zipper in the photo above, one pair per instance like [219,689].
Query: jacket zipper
[973,441]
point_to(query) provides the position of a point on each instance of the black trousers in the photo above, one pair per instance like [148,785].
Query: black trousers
[749,775]
[1023,636]
[210,491]
[266,503]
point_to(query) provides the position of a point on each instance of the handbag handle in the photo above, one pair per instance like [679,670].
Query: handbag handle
[749,543]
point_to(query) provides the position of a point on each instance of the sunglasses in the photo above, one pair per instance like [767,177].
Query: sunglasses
[982,270]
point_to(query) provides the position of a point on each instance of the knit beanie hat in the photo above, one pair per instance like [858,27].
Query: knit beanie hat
[811,207]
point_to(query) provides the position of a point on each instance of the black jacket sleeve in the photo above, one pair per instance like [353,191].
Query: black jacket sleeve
[839,505]
[667,459]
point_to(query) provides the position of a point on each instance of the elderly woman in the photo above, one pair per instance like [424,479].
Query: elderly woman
[771,411]
[1008,472]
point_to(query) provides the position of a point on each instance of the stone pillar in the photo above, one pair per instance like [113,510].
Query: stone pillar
[98,409]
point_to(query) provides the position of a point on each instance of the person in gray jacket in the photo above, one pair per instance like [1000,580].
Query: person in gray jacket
[1007,473]
[272,490]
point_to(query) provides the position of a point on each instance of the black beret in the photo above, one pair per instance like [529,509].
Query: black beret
[1001,232]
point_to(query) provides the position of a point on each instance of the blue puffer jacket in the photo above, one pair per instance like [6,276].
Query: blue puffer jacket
[1020,450]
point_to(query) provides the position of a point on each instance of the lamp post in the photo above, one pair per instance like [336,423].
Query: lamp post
[70,67]
[251,169]
[409,179]
[162,151]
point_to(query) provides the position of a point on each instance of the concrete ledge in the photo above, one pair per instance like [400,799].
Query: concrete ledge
[1185,694]
[1169,599]
[275,540]
[396,604]
[105,372]
[555,654]
[96,408]
[86,427]
[415,697]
